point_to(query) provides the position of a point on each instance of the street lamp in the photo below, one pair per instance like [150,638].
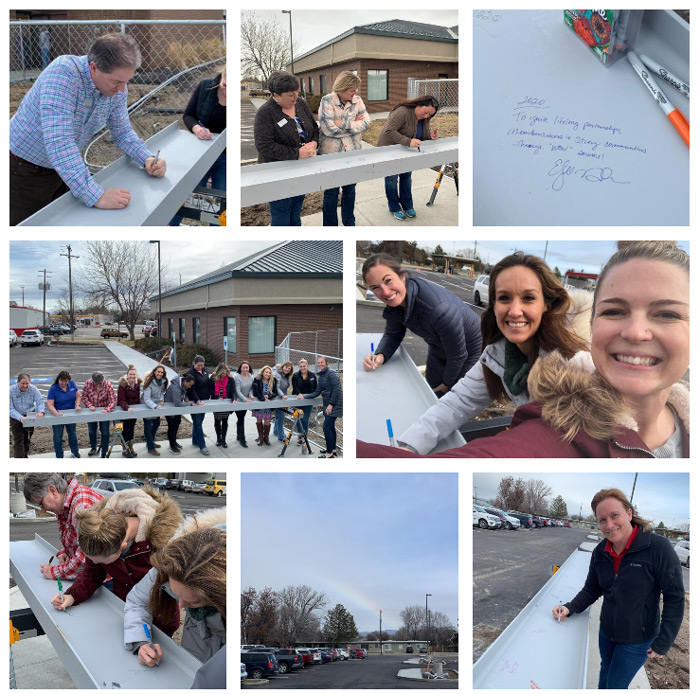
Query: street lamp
[160,308]
[291,42]
[427,623]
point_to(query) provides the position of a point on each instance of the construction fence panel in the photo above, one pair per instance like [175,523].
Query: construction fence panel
[175,56]
[445,91]
[310,345]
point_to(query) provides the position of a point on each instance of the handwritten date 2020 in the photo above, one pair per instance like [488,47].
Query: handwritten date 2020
[563,168]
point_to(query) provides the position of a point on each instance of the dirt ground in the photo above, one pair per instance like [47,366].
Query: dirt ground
[259,215]
[673,670]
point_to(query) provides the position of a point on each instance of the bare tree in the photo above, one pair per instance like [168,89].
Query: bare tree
[536,493]
[511,493]
[123,274]
[247,601]
[413,617]
[264,46]
[295,615]
[441,629]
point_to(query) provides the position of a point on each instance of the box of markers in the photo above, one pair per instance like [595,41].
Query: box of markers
[608,33]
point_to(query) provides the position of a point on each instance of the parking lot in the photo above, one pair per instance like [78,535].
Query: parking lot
[374,672]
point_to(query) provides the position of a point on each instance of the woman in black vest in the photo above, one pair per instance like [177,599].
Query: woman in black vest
[206,115]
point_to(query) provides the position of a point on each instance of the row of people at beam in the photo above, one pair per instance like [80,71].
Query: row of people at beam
[286,130]
[192,388]
[73,98]
[137,545]
[592,375]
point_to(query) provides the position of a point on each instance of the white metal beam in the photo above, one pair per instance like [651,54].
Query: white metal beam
[154,201]
[285,179]
[89,638]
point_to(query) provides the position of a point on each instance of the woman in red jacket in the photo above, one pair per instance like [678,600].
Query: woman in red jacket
[118,536]
[624,399]
[128,394]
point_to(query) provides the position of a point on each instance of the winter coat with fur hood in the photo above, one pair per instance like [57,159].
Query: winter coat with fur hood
[575,413]
[201,638]
[128,395]
[159,518]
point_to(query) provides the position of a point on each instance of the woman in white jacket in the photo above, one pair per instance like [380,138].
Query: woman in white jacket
[192,569]
[529,314]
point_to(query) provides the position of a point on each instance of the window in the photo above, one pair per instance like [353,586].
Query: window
[230,333]
[322,80]
[261,334]
[303,88]
[182,329]
[196,331]
[171,328]
[377,85]
[311,84]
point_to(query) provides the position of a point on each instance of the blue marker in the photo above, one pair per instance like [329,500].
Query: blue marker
[390,432]
[371,347]
[148,636]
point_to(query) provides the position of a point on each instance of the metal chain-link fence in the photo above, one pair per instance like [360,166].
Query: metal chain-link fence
[175,56]
[446,91]
[311,345]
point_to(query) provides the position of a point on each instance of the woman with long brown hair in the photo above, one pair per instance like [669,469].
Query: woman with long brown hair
[408,124]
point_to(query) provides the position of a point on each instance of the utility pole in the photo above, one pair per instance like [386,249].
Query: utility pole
[427,620]
[44,287]
[22,286]
[160,310]
[381,650]
[70,288]
[634,486]
[291,39]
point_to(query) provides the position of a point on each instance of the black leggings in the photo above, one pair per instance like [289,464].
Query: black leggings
[173,426]
[129,425]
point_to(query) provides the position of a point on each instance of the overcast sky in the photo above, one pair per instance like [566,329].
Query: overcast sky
[657,496]
[368,541]
[311,28]
[179,261]
[587,255]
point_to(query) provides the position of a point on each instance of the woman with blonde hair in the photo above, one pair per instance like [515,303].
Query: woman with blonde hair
[631,568]
[342,118]
[265,388]
[128,394]
[221,387]
[243,382]
[283,375]
[118,536]
[303,383]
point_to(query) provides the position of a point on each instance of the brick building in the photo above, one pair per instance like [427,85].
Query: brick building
[161,45]
[293,286]
[384,55]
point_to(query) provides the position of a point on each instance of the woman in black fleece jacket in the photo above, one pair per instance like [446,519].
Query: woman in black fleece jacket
[631,568]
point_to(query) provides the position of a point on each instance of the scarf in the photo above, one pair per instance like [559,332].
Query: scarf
[516,370]
[200,613]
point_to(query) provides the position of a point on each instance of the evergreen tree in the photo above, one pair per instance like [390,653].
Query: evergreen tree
[339,625]
[557,508]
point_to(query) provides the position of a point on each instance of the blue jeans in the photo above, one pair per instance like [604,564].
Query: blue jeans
[198,431]
[401,198]
[329,433]
[150,427]
[58,439]
[619,661]
[347,206]
[217,173]
[104,435]
[305,418]
[287,212]
[45,57]
[279,423]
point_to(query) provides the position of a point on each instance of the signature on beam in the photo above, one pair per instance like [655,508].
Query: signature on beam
[596,174]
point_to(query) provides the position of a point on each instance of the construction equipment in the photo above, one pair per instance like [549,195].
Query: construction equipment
[297,426]
[117,437]
[453,167]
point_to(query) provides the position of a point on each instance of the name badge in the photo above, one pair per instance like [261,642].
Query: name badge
[282,123]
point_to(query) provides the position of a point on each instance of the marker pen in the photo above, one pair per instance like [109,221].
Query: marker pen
[666,75]
[390,431]
[60,589]
[148,636]
[559,616]
[156,159]
[371,347]
[677,119]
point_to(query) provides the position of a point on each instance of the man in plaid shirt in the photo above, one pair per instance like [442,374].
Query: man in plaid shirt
[71,100]
[99,393]
[52,493]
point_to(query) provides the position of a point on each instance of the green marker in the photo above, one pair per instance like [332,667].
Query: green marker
[60,589]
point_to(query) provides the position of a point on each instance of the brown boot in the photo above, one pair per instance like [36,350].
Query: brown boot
[267,434]
[261,438]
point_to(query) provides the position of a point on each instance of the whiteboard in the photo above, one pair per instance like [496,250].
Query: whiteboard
[560,139]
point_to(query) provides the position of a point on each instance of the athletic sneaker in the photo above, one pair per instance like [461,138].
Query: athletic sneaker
[399,215]
[410,213]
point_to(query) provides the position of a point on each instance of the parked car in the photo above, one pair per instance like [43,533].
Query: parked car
[288,659]
[64,328]
[526,520]
[510,522]
[316,655]
[13,338]
[365,652]
[244,672]
[481,289]
[197,488]
[326,657]
[343,653]
[141,483]
[423,649]
[483,519]
[260,664]
[171,484]
[215,487]
[107,487]
[50,330]
[185,485]
[682,549]
[154,331]
[409,649]
[306,656]
[106,333]
[159,483]
[32,337]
